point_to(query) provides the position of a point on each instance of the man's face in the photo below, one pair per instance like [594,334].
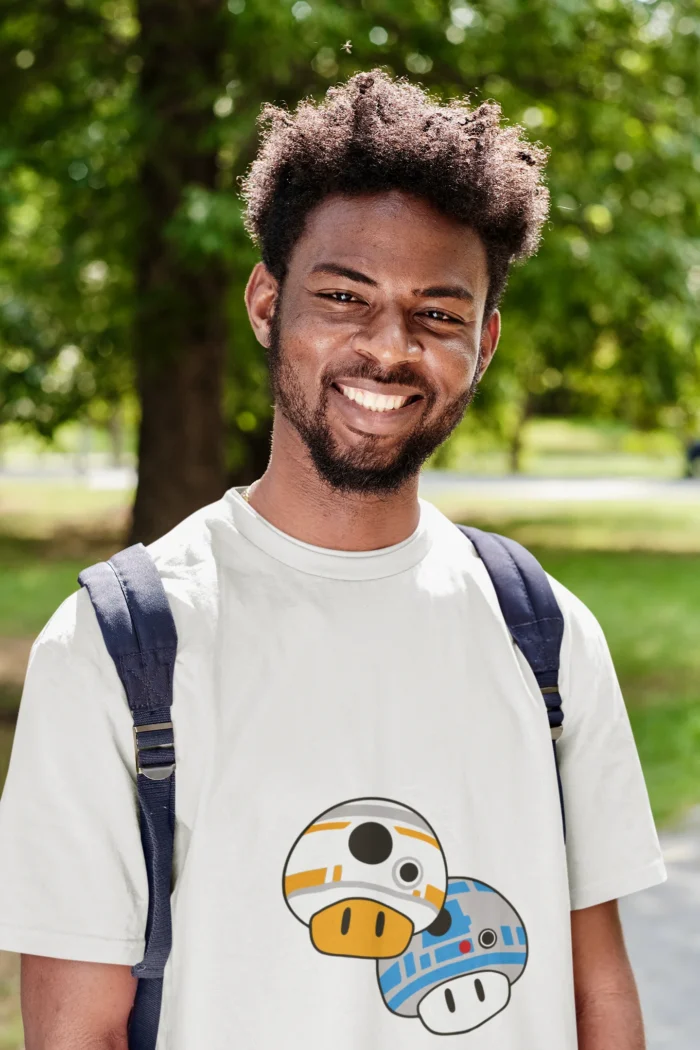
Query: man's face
[376,341]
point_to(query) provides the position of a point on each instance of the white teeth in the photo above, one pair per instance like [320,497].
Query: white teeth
[373,401]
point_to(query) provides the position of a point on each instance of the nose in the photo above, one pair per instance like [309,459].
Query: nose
[387,339]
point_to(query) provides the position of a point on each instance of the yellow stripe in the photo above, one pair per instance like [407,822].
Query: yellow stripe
[434,895]
[337,873]
[332,825]
[412,833]
[303,879]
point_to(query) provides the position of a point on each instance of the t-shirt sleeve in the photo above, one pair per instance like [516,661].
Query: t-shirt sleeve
[72,879]
[612,846]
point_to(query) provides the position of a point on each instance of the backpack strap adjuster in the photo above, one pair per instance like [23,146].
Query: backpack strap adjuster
[554,711]
[153,772]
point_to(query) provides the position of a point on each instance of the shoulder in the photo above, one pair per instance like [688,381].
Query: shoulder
[587,678]
[188,564]
[72,628]
[584,646]
[584,638]
[188,549]
[185,558]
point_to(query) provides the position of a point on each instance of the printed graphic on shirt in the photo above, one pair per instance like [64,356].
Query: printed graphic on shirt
[458,973]
[365,876]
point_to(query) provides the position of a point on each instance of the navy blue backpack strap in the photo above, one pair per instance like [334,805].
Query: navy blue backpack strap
[139,632]
[533,617]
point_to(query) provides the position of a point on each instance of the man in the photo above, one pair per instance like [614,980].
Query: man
[369,849]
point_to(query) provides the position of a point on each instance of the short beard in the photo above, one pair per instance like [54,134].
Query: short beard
[370,469]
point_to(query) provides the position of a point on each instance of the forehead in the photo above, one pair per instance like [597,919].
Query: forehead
[391,236]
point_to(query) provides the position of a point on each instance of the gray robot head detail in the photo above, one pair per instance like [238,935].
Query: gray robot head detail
[458,973]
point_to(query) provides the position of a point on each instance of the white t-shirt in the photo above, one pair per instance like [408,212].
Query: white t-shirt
[364,772]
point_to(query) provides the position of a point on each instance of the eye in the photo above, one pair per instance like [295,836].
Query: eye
[438,315]
[487,938]
[370,843]
[407,872]
[339,297]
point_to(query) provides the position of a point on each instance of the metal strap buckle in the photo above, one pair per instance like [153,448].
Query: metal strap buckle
[152,772]
[546,690]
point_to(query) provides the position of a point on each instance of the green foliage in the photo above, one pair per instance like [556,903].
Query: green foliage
[65,276]
[603,321]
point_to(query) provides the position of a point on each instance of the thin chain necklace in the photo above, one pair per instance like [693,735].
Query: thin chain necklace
[246,493]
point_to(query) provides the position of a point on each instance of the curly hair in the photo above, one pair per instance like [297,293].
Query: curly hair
[374,133]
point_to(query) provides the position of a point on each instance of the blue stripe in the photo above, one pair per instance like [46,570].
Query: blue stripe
[455,888]
[409,964]
[444,973]
[507,935]
[424,961]
[483,888]
[522,939]
[390,978]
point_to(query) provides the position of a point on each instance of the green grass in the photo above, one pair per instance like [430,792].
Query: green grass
[31,591]
[625,525]
[31,510]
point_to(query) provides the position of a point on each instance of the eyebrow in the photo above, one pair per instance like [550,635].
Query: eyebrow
[435,291]
[445,291]
[344,271]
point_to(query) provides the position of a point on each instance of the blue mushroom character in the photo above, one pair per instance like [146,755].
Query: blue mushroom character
[458,973]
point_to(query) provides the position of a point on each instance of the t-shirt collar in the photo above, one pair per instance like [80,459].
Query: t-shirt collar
[324,561]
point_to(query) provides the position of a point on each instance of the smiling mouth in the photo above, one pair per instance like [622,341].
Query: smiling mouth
[376,402]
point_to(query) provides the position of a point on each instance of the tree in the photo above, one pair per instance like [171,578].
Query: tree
[122,253]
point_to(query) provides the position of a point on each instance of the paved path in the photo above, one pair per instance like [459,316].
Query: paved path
[662,930]
[432,482]
[584,490]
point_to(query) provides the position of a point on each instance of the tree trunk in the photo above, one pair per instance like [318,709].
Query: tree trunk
[257,456]
[115,431]
[179,328]
[515,449]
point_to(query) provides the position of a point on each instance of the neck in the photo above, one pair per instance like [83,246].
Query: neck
[292,496]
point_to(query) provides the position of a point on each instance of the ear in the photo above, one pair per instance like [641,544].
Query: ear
[261,296]
[490,334]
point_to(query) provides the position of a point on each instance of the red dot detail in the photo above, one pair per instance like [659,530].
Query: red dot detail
[465,947]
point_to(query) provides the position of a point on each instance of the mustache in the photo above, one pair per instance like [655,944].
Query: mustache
[402,374]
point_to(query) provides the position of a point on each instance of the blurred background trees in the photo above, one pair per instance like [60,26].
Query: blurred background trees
[123,259]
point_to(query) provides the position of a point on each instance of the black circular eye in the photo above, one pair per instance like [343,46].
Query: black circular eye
[407,872]
[487,938]
[441,925]
[371,843]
